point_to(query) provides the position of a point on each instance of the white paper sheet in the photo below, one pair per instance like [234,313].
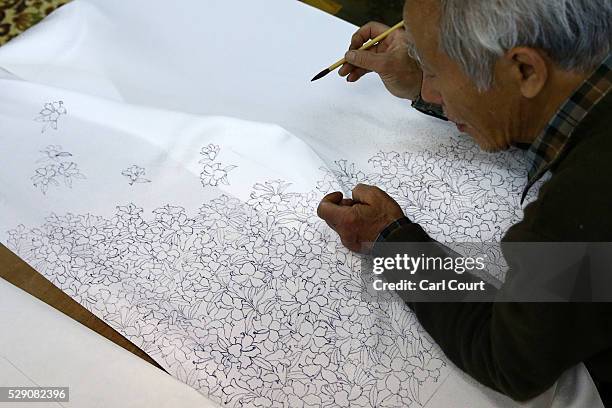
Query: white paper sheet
[195,235]
[41,347]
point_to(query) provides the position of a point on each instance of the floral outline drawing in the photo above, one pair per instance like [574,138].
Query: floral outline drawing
[236,300]
[213,173]
[50,113]
[135,174]
[55,166]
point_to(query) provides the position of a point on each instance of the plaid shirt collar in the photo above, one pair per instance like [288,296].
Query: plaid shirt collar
[547,149]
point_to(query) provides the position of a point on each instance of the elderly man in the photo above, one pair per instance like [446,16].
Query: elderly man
[511,72]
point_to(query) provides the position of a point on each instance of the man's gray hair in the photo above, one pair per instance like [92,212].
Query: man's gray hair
[575,34]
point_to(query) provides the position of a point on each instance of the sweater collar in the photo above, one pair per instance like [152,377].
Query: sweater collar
[550,145]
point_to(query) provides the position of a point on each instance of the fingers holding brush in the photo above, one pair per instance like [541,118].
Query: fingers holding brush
[370,55]
[362,62]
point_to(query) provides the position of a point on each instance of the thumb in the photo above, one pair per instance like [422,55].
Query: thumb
[368,60]
[329,206]
[334,198]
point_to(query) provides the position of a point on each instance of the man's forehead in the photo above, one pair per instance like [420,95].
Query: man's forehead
[429,9]
[422,18]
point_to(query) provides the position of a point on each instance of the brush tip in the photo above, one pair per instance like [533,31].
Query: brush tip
[320,75]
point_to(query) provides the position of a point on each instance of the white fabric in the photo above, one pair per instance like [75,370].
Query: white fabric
[43,347]
[135,184]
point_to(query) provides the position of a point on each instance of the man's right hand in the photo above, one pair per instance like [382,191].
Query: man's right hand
[389,59]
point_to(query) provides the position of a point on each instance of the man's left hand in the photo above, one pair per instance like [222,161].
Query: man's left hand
[360,220]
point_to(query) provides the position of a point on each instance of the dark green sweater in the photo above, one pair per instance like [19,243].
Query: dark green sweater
[521,349]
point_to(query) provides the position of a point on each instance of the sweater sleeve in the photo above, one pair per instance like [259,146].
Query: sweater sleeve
[518,349]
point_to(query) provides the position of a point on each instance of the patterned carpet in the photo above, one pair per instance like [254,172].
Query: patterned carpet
[17,16]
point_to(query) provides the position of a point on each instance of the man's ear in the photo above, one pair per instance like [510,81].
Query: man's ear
[529,68]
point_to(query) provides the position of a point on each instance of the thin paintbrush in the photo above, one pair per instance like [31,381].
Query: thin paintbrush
[365,46]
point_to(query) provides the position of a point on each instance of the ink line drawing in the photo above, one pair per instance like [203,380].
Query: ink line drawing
[55,165]
[257,303]
[50,114]
[135,174]
[213,172]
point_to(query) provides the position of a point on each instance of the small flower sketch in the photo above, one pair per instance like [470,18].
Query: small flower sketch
[135,174]
[50,114]
[213,173]
[55,166]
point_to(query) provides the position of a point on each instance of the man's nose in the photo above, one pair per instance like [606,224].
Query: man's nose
[429,94]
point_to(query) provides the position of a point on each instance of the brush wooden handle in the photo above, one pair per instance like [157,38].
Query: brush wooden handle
[369,44]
